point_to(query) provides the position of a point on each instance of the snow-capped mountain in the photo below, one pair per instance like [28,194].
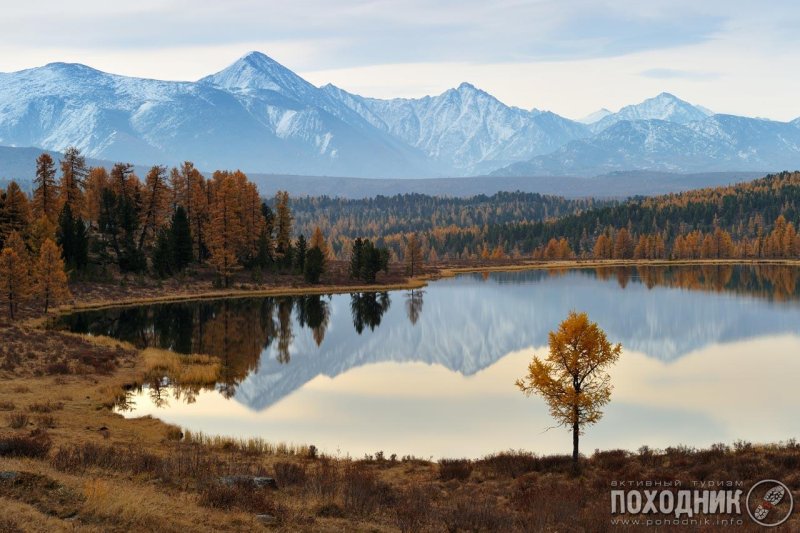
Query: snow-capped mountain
[255,115]
[260,116]
[716,143]
[662,107]
[465,128]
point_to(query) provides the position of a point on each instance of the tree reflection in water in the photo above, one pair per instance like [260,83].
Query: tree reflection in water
[414,305]
[368,309]
[240,331]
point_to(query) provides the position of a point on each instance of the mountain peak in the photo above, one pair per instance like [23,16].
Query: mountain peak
[258,60]
[257,71]
[68,68]
[667,96]
[664,106]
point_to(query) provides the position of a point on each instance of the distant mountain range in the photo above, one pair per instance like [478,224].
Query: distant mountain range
[259,116]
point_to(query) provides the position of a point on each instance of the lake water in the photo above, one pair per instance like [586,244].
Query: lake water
[710,355]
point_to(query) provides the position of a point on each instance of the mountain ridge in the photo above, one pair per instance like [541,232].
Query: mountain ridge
[260,116]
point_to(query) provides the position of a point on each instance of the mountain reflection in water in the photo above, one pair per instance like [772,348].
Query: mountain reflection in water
[472,326]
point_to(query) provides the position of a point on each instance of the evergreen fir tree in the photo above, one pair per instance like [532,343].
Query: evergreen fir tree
[181,239]
[163,254]
[314,265]
[300,254]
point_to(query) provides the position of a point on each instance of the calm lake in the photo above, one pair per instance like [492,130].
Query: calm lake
[710,354]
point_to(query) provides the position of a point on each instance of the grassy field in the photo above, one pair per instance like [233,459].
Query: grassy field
[69,462]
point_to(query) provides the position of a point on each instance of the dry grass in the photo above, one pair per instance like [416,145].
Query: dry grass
[203,370]
[250,446]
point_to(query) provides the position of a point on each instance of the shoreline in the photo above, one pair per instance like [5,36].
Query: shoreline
[439,272]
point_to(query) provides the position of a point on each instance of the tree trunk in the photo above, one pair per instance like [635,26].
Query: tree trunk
[576,425]
[575,437]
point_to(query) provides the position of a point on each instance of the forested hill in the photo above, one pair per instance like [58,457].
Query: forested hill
[731,221]
[402,213]
[745,210]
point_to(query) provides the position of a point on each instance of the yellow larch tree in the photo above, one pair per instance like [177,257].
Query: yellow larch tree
[573,378]
[15,212]
[224,227]
[14,279]
[318,240]
[96,182]
[156,208]
[413,255]
[50,280]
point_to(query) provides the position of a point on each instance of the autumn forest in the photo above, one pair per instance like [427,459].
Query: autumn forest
[82,223]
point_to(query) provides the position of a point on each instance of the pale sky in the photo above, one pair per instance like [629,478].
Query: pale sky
[569,56]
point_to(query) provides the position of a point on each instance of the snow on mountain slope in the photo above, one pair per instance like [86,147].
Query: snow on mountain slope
[465,127]
[254,115]
[717,143]
[662,107]
[260,116]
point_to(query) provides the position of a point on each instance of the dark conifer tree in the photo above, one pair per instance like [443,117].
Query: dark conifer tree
[163,254]
[181,240]
[301,247]
[314,265]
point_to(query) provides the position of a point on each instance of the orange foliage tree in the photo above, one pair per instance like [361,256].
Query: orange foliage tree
[573,378]
[50,281]
[225,226]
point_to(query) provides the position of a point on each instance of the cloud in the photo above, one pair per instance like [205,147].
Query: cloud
[571,56]
[367,32]
[670,74]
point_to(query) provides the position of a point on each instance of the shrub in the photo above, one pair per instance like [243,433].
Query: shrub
[46,421]
[511,464]
[322,480]
[414,509]
[614,460]
[359,490]
[35,444]
[290,474]
[46,407]
[17,420]
[459,469]
[466,512]
[240,496]
[57,368]
[330,510]
[7,406]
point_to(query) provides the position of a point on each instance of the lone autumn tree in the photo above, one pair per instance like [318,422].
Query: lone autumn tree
[573,378]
